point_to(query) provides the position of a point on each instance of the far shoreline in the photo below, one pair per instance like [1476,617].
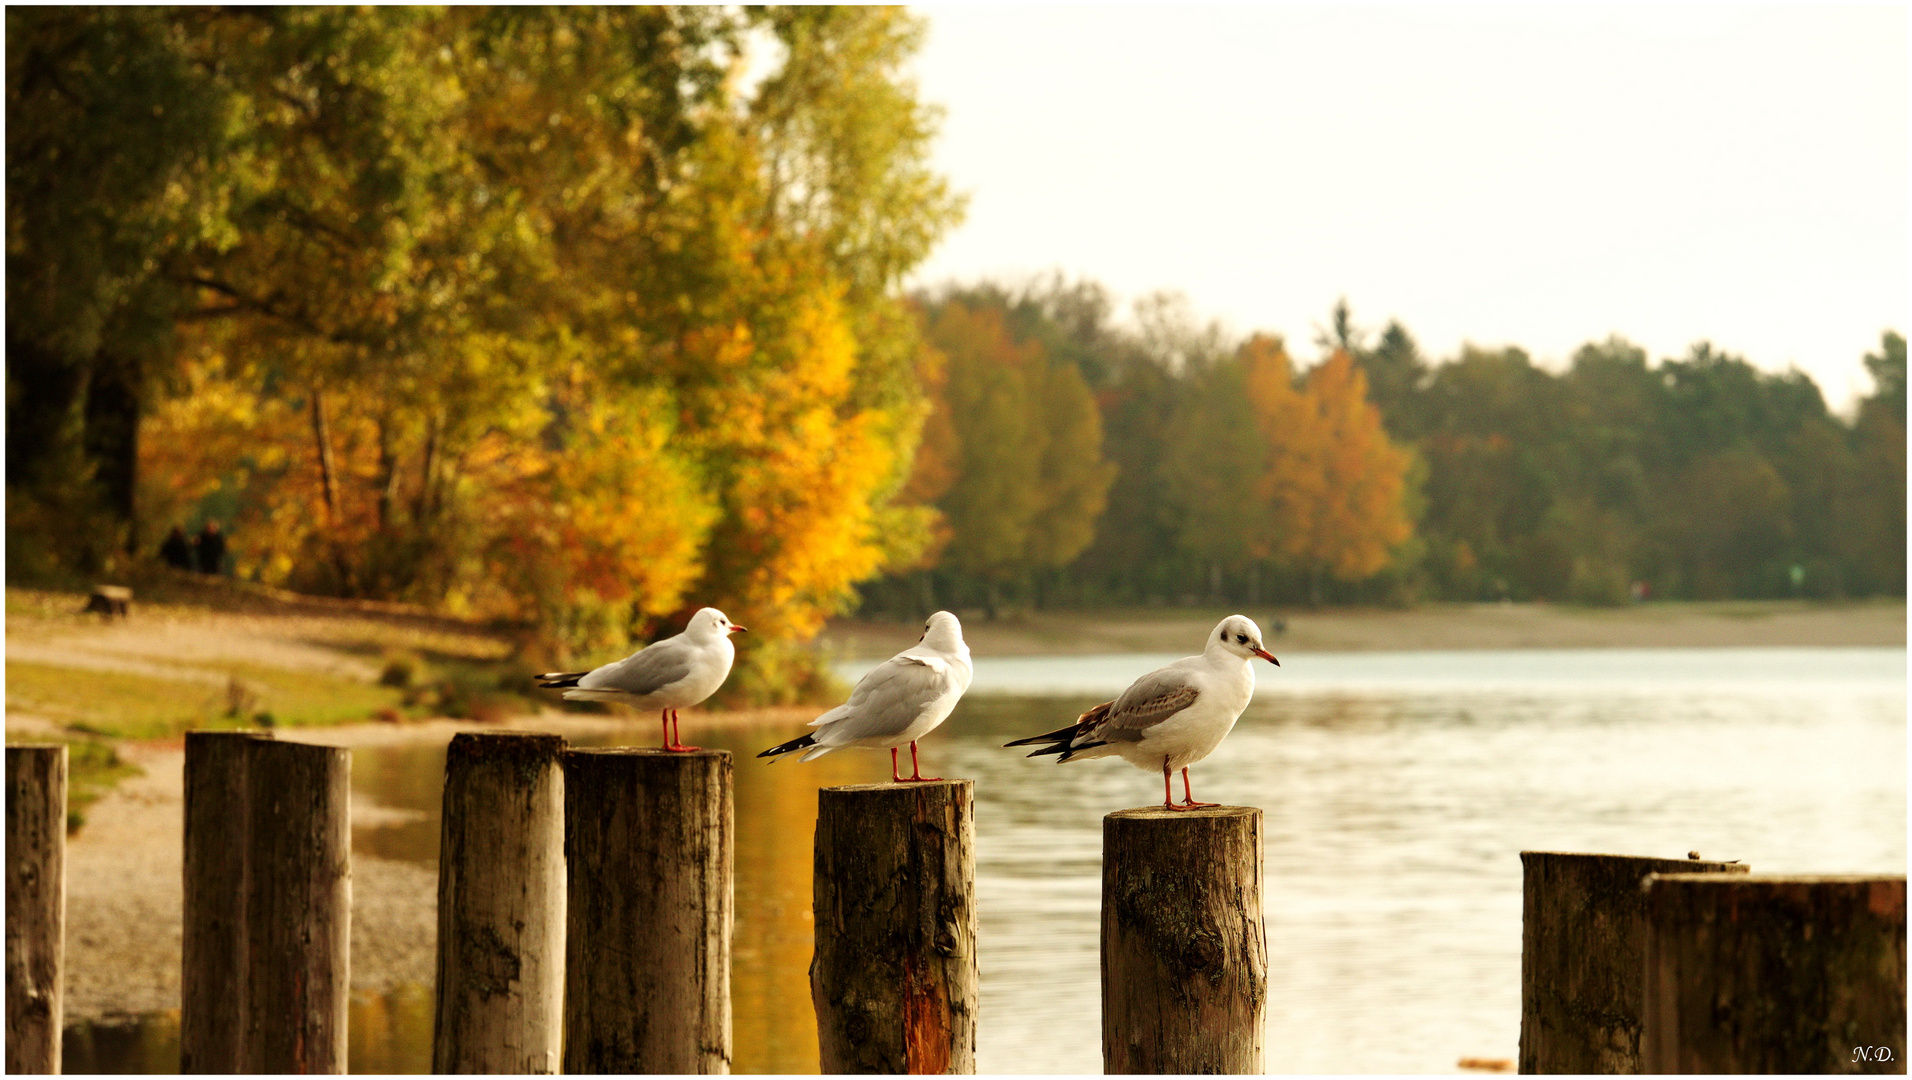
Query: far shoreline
[1652,625]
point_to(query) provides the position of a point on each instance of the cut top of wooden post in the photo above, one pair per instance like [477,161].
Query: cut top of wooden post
[1160,813]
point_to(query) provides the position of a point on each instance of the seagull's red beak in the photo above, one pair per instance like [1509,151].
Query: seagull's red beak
[1268,656]
[735,629]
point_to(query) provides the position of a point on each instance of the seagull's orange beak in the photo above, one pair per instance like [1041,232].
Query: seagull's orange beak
[735,629]
[1268,656]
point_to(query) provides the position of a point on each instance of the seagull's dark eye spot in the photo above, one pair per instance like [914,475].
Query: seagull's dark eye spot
[1243,638]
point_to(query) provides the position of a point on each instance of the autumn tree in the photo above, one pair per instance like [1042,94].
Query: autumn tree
[1335,486]
[528,313]
[1032,481]
[1214,463]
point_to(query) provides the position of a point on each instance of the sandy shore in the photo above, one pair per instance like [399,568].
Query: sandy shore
[1434,626]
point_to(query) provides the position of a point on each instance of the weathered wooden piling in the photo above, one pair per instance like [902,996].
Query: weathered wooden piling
[265,966]
[1583,942]
[36,906]
[894,978]
[648,856]
[1184,952]
[1771,973]
[501,892]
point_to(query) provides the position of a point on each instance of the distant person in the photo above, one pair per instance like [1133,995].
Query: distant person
[209,549]
[177,551]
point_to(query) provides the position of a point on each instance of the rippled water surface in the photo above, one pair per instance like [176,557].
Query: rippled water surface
[1399,790]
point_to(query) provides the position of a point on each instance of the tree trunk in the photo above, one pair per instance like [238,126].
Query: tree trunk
[1184,953]
[648,850]
[322,436]
[1774,974]
[36,906]
[328,485]
[894,979]
[501,891]
[423,508]
[387,474]
[112,439]
[1583,944]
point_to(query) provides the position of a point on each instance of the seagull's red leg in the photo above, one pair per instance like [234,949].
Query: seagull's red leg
[673,745]
[1190,795]
[664,718]
[895,777]
[1168,795]
[916,771]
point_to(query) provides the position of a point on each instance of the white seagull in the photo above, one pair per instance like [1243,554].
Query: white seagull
[1172,717]
[901,700]
[670,674]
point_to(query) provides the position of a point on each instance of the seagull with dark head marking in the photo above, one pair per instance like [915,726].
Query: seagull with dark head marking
[1172,717]
[671,674]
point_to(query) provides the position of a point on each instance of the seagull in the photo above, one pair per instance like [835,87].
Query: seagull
[669,675]
[1172,717]
[899,701]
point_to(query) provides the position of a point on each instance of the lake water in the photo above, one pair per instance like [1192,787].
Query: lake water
[1399,790]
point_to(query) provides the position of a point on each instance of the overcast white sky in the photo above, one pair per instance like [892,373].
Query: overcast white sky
[1539,176]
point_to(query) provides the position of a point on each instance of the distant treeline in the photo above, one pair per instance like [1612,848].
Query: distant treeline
[1079,463]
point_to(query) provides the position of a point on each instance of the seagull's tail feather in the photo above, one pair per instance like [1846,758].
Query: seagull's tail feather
[801,742]
[1051,742]
[1060,735]
[1062,741]
[557,680]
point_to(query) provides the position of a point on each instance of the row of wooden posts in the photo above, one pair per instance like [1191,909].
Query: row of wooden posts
[585,897]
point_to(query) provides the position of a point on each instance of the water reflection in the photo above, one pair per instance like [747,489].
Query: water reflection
[1394,816]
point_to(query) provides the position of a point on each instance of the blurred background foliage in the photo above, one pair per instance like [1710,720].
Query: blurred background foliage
[540,315]
[577,319]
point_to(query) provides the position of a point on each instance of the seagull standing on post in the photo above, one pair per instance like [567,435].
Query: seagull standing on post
[671,674]
[1172,717]
[901,700]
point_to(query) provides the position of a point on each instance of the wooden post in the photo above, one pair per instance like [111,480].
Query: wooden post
[268,901]
[1775,973]
[1583,941]
[501,906]
[36,906]
[648,855]
[1184,953]
[894,979]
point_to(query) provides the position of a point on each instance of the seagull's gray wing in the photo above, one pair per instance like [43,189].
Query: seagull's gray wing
[644,672]
[889,699]
[1151,699]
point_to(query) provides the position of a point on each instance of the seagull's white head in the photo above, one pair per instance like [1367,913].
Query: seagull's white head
[1239,635]
[942,632]
[709,624]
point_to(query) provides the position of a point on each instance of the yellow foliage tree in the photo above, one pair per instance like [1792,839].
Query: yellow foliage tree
[1335,486]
